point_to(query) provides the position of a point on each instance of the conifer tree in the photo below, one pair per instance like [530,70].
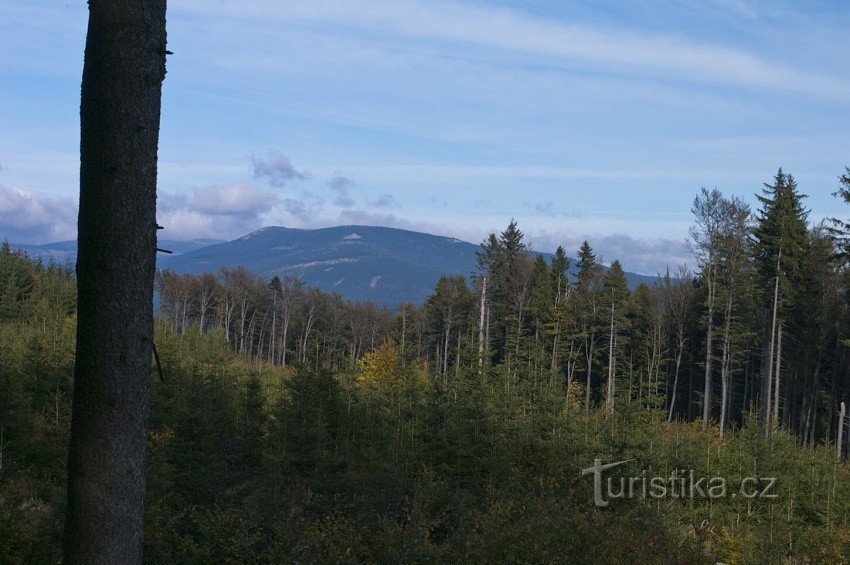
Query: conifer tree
[560,272]
[781,250]
[615,291]
[540,308]
[560,287]
[588,268]
[588,280]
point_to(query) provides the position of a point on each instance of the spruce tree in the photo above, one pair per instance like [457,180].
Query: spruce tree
[560,272]
[781,250]
[588,312]
[615,291]
[588,268]
[541,302]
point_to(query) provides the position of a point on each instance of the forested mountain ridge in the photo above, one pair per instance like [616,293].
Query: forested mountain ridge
[383,265]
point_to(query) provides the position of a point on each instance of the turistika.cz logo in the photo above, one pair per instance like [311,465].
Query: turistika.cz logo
[681,483]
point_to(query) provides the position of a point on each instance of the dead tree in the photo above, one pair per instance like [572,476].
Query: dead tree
[119,118]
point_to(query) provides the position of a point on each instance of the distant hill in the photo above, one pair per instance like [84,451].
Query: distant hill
[384,265]
[66,251]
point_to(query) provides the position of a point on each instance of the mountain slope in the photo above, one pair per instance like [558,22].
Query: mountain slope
[66,251]
[384,265]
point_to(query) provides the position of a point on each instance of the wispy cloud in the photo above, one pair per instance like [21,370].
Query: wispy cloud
[305,207]
[341,186]
[276,169]
[501,29]
[385,201]
[547,207]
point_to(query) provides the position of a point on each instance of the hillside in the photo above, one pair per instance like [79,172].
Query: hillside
[384,265]
[66,251]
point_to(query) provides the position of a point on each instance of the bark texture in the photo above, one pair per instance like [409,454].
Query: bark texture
[119,121]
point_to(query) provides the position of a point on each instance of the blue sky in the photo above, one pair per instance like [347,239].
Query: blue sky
[583,120]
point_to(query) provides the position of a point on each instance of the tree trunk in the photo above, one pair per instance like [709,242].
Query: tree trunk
[588,353]
[274,324]
[777,372]
[119,118]
[839,443]
[706,397]
[724,365]
[403,326]
[446,351]
[609,396]
[768,381]
[487,332]
[203,307]
[283,340]
[675,383]
[457,359]
[481,324]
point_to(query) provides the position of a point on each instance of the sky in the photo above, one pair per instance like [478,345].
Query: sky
[595,120]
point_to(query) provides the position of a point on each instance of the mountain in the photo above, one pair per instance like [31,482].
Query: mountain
[384,265]
[66,251]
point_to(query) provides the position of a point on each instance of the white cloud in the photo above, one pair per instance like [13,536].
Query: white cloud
[214,211]
[647,256]
[27,217]
[234,200]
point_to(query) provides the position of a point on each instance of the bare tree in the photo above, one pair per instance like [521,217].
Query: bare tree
[708,209]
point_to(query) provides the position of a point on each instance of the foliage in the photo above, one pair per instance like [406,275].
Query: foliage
[289,425]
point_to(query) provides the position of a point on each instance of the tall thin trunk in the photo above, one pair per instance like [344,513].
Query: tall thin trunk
[706,397]
[446,351]
[557,337]
[675,384]
[119,118]
[777,377]
[570,366]
[839,443]
[308,326]
[588,352]
[403,326]
[745,395]
[724,366]
[274,324]
[811,406]
[457,358]
[609,397]
[243,317]
[487,331]
[767,388]
[481,324]
[204,305]
[283,340]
